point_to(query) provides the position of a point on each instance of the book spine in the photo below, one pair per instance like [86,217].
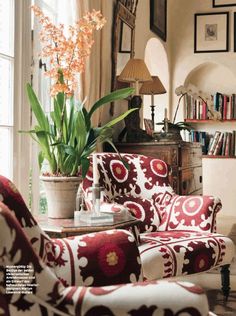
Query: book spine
[214,143]
[218,147]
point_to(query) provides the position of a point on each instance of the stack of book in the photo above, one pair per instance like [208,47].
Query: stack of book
[226,105]
[196,108]
[222,144]
[200,137]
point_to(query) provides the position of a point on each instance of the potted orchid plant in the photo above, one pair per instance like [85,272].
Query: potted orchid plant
[66,137]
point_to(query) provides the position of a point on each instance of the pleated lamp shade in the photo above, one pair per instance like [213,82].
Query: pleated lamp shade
[135,70]
[152,87]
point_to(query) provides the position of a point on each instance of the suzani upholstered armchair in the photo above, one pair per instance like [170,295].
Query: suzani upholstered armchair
[82,275]
[178,233]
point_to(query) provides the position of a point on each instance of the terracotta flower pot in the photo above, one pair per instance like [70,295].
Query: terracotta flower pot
[61,195]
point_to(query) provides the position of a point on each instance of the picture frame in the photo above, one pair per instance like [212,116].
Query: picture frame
[158,18]
[149,127]
[125,38]
[211,32]
[223,3]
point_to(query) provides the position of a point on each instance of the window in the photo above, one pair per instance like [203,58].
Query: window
[6,86]
[59,12]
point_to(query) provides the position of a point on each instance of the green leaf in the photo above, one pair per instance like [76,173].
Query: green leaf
[84,166]
[116,150]
[40,159]
[36,108]
[114,96]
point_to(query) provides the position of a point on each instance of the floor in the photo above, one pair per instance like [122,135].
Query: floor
[218,305]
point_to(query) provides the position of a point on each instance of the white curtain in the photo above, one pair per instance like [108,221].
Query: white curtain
[96,80]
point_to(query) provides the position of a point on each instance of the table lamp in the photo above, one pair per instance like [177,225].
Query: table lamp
[135,71]
[151,88]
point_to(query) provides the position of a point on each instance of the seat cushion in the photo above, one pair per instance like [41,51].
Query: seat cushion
[174,253]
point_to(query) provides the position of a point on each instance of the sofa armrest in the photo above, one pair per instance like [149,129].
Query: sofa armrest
[97,259]
[192,213]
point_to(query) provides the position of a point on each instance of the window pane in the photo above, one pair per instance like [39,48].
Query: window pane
[6,71]
[6,27]
[5,152]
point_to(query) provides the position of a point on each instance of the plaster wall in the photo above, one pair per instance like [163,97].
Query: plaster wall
[219,175]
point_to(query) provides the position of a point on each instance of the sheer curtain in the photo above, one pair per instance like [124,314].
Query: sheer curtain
[96,80]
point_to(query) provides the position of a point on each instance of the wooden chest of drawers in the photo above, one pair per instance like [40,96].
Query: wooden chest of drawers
[185,160]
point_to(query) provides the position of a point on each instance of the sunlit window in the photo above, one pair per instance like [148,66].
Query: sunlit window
[6,86]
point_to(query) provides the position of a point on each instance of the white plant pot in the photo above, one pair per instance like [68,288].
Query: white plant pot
[61,195]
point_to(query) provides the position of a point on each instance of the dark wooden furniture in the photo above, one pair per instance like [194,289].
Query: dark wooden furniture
[185,160]
[59,228]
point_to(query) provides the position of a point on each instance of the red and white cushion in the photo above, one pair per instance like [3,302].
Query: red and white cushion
[174,253]
[97,259]
[143,209]
[192,213]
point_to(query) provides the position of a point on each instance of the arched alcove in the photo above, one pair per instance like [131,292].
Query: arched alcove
[208,78]
[156,60]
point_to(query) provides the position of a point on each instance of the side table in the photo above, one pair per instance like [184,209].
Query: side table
[59,228]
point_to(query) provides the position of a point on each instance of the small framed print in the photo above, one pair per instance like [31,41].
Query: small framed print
[211,32]
[149,127]
[223,3]
[125,38]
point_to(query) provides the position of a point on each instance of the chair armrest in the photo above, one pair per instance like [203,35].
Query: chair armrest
[191,213]
[102,258]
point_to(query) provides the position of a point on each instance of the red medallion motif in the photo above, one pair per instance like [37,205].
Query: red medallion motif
[111,259]
[159,167]
[118,170]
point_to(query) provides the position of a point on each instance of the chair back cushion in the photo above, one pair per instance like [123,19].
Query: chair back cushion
[146,178]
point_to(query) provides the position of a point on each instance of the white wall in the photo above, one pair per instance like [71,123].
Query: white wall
[216,74]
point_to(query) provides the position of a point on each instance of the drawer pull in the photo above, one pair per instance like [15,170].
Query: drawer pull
[200,179]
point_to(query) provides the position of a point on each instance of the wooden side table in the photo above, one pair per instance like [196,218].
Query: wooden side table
[58,228]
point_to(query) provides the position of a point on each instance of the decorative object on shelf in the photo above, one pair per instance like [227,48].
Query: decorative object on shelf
[158,17]
[123,36]
[211,32]
[171,131]
[151,88]
[67,137]
[223,3]
[203,106]
[135,72]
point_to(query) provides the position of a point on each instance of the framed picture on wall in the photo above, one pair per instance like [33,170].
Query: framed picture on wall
[223,3]
[211,32]
[125,38]
[158,17]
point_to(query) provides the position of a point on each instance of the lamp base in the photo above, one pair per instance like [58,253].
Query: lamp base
[132,129]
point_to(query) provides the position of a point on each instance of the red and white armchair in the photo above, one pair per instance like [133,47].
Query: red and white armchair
[178,233]
[81,275]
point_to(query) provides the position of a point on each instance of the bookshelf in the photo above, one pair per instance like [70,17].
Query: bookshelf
[211,111]
[219,172]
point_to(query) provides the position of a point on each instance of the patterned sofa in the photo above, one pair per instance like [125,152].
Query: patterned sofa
[80,275]
[178,233]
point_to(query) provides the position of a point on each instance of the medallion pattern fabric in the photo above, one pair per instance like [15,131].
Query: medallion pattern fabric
[51,297]
[177,233]
[69,258]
